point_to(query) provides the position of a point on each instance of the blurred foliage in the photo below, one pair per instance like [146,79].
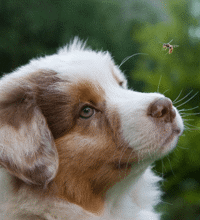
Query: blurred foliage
[33,28]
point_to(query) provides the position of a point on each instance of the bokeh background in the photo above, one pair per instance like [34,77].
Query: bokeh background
[125,27]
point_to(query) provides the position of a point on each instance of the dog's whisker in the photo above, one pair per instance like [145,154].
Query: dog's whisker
[188,114]
[183,148]
[167,203]
[170,165]
[149,153]
[128,160]
[188,119]
[162,169]
[122,153]
[177,97]
[166,91]
[191,125]
[183,97]
[188,109]
[127,58]
[159,83]
[187,128]
[187,100]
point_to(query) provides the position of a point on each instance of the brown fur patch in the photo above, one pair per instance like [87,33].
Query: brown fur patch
[92,154]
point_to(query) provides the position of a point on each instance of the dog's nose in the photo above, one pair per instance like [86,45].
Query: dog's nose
[162,109]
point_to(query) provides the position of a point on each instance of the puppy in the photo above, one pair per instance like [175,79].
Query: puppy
[77,144]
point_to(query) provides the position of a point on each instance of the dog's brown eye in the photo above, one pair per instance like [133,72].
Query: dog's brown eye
[86,112]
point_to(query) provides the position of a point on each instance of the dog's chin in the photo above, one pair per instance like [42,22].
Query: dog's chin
[168,145]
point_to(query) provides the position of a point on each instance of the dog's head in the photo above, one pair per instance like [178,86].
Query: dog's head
[70,119]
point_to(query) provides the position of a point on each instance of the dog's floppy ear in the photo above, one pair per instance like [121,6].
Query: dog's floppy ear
[27,148]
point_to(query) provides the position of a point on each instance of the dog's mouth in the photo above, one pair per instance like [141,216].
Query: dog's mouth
[153,151]
[170,142]
[175,133]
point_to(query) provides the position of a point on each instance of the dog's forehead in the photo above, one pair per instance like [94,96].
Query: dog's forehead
[90,65]
[76,66]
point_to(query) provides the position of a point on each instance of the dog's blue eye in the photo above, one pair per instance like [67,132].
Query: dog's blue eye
[86,112]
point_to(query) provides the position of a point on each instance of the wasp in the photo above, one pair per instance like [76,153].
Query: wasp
[171,47]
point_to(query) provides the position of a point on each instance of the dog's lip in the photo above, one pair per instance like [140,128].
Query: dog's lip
[175,132]
[178,130]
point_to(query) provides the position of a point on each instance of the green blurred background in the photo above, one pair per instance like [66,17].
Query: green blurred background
[124,27]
